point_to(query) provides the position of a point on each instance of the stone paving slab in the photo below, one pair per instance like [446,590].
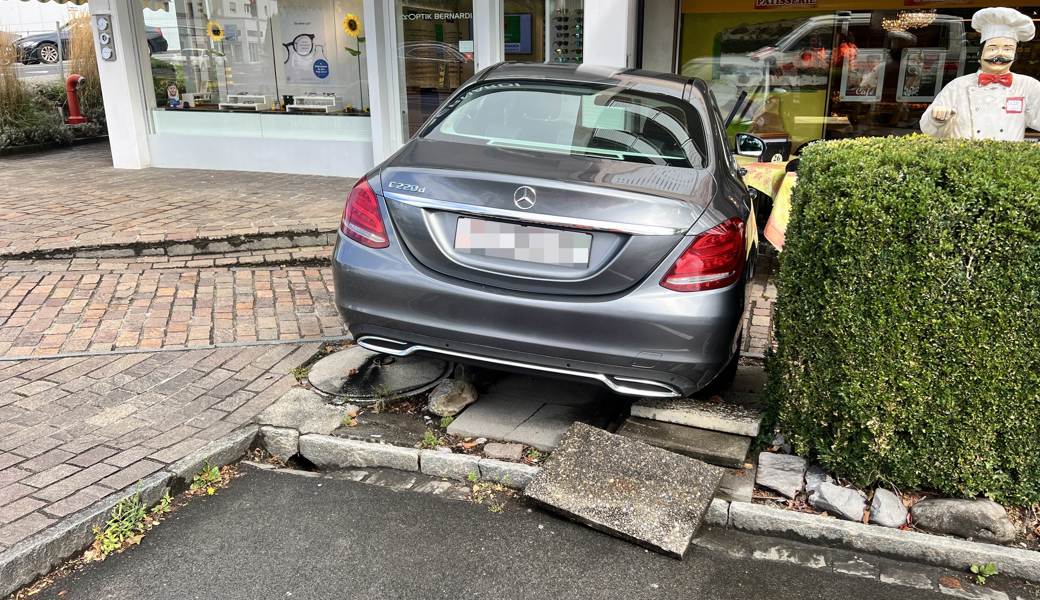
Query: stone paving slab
[73,430]
[626,488]
[723,449]
[725,417]
[40,211]
[534,410]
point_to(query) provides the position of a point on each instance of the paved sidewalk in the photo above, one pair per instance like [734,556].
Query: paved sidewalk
[47,313]
[74,198]
[75,430]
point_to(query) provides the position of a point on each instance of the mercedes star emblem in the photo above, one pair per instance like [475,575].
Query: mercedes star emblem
[524,197]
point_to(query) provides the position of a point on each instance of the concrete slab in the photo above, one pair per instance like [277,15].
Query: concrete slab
[493,418]
[652,497]
[715,416]
[723,449]
[303,410]
[546,426]
[534,410]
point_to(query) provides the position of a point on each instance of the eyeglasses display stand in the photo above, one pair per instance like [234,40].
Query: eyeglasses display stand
[567,33]
[244,102]
[327,103]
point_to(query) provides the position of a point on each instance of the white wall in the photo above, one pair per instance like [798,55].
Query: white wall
[610,32]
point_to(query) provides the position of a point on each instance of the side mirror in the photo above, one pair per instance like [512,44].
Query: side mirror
[771,149]
[750,145]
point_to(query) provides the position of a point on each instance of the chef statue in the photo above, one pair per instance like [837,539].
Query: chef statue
[993,104]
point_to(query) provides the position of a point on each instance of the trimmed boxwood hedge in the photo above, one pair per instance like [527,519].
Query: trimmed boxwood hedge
[908,315]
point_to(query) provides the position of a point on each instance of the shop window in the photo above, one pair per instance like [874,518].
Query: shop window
[301,57]
[436,51]
[811,75]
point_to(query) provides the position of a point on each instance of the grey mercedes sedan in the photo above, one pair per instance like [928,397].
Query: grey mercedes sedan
[577,221]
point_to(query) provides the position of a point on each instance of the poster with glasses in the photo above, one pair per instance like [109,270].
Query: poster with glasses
[920,74]
[863,79]
[567,35]
[303,46]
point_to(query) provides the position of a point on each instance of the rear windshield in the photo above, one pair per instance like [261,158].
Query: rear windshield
[608,123]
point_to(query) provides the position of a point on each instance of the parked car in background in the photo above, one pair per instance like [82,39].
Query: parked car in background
[44,47]
[571,220]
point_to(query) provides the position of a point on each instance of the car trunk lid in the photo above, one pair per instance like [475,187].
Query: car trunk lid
[492,216]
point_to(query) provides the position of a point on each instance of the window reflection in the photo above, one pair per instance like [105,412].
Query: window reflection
[811,75]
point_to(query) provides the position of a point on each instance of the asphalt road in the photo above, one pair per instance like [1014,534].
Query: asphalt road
[283,536]
[39,73]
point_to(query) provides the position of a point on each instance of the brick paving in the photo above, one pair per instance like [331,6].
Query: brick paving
[74,198]
[758,317]
[74,430]
[50,313]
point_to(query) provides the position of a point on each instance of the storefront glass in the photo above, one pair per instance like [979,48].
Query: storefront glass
[436,53]
[820,69]
[544,31]
[266,56]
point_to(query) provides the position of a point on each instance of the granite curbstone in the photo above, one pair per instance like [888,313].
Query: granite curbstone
[511,475]
[448,465]
[280,442]
[911,546]
[327,451]
[718,514]
[221,452]
[40,553]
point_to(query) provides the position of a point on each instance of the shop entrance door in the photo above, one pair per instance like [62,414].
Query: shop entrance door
[436,53]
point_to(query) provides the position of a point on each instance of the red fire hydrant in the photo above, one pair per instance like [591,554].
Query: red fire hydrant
[72,85]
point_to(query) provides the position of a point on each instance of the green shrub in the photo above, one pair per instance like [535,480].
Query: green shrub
[908,316]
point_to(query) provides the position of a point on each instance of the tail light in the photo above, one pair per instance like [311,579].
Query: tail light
[715,259]
[362,221]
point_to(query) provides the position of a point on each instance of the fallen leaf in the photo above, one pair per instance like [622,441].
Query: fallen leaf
[135,539]
[950,582]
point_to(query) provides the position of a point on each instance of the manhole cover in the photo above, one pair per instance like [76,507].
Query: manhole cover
[360,375]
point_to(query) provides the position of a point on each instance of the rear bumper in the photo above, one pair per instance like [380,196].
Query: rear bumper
[649,333]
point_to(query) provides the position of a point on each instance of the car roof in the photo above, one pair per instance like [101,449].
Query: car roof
[638,79]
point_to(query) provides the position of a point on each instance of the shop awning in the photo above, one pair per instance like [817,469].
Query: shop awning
[152,4]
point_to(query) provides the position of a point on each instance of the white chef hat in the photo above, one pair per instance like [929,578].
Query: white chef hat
[1003,22]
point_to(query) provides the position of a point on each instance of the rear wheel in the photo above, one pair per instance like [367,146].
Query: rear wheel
[48,53]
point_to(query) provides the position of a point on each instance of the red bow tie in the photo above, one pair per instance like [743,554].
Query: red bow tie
[986,79]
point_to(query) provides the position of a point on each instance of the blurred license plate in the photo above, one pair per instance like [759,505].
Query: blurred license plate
[496,239]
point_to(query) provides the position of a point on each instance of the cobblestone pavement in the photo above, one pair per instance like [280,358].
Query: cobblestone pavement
[74,198]
[75,430]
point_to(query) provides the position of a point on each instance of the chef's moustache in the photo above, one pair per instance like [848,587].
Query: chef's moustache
[1000,60]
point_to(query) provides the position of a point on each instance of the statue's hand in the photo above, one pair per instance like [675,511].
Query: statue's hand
[942,113]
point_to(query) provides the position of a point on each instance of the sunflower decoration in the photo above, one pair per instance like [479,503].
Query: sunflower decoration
[352,25]
[215,31]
